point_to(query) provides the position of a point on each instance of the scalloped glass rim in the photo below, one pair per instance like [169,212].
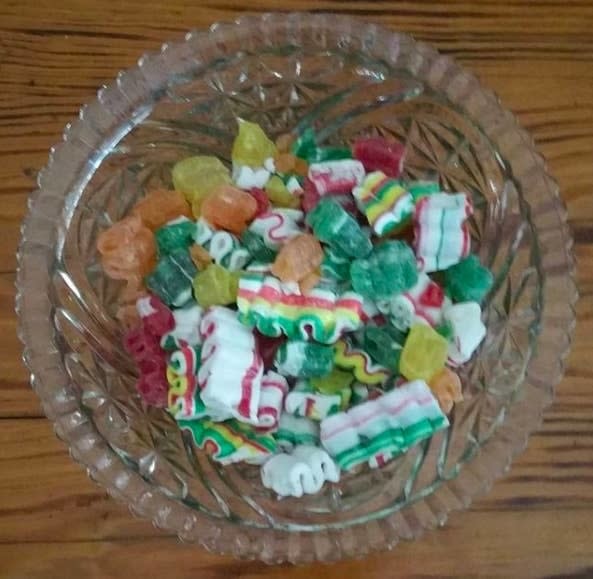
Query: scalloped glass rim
[103,121]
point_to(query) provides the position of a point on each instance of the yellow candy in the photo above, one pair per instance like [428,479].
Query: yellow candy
[215,285]
[423,354]
[279,195]
[197,177]
[251,146]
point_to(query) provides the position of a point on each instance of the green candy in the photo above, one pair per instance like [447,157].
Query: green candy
[333,225]
[335,265]
[384,345]
[175,235]
[305,145]
[216,285]
[172,278]
[446,330]
[334,383]
[419,189]
[390,269]
[322,154]
[304,359]
[256,246]
[468,280]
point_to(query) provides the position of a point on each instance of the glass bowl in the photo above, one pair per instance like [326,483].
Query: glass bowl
[287,72]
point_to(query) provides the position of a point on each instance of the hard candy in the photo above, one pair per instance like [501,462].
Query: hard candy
[379,154]
[294,430]
[389,269]
[248,178]
[200,256]
[216,285]
[251,146]
[229,208]
[468,280]
[333,225]
[176,234]
[172,278]
[446,386]
[336,381]
[278,226]
[465,320]
[262,200]
[157,318]
[419,189]
[279,195]
[228,251]
[185,330]
[360,364]
[298,258]
[335,264]
[305,144]
[384,345]
[334,177]
[304,359]
[256,246]
[424,353]
[305,402]
[161,206]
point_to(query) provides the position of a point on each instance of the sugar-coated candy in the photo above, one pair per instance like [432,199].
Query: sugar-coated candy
[275,309]
[468,280]
[256,246]
[157,318]
[332,224]
[273,391]
[419,189]
[310,197]
[310,281]
[185,329]
[423,303]
[203,232]
[198,176]
[285,162]
[200,256]
[293,431]
[335,264]
[359,363]
[379,154]
[304,401]
[215,285]
[229,208]
[298,258]
[330,177]
[446,386]
[389,269]
[424,353]
[184,400]
[251,146]
[441,236]
[336,381]
[161,206]
[248,178]
[278,226]
[388,425]
[279,195]
[304,144]
[175,234]
[332,153]
[385,202]
[227,251]
[230,441]
[231,370]
[468,330]
[302,472]
[127,249]
[262,200]
[172,278]
[361,393]
[384,345]
[304,359]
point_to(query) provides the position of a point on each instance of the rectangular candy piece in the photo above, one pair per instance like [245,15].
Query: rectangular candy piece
[388,425]
[441,236]
[333,177]
[172,278]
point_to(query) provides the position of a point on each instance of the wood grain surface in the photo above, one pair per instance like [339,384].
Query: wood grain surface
[536,522]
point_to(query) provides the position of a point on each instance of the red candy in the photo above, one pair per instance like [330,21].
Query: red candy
[267,348]
[157,318]
[262,200]
[153,388]
[379,154]
[310,196]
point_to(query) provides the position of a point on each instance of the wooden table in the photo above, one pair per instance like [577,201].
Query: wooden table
[536,522]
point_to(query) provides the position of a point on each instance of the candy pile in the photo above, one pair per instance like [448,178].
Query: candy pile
[282,313]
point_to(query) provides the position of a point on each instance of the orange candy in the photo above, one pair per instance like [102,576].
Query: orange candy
[446,386]
[285,162]
[310,281]
[301,167]
[299,258]
[160,206]
[128,250]
[229,208]
[283,142]
[201,258]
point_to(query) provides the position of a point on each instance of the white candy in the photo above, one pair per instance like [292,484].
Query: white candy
[187,326]
[204,231]
[278,226]
[302,472]
[270,165]
[274,388]
[144,308]
[468,330]
[245,177]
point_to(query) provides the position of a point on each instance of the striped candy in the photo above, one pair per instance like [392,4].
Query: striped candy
[360,364]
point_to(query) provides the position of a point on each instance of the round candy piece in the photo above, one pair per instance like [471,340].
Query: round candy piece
[229,208]
[197,176]
[299,257]
[216,286]
[468,280]
[161,206]
[251,146]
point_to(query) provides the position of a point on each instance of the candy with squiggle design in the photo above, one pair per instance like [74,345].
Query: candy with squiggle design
[226,250]
[276,309]
[231,369]
[302,472]
[360,364]
[277,226]
[385,202]
[388,425]
[230,441]
[184,400]
[441,236]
